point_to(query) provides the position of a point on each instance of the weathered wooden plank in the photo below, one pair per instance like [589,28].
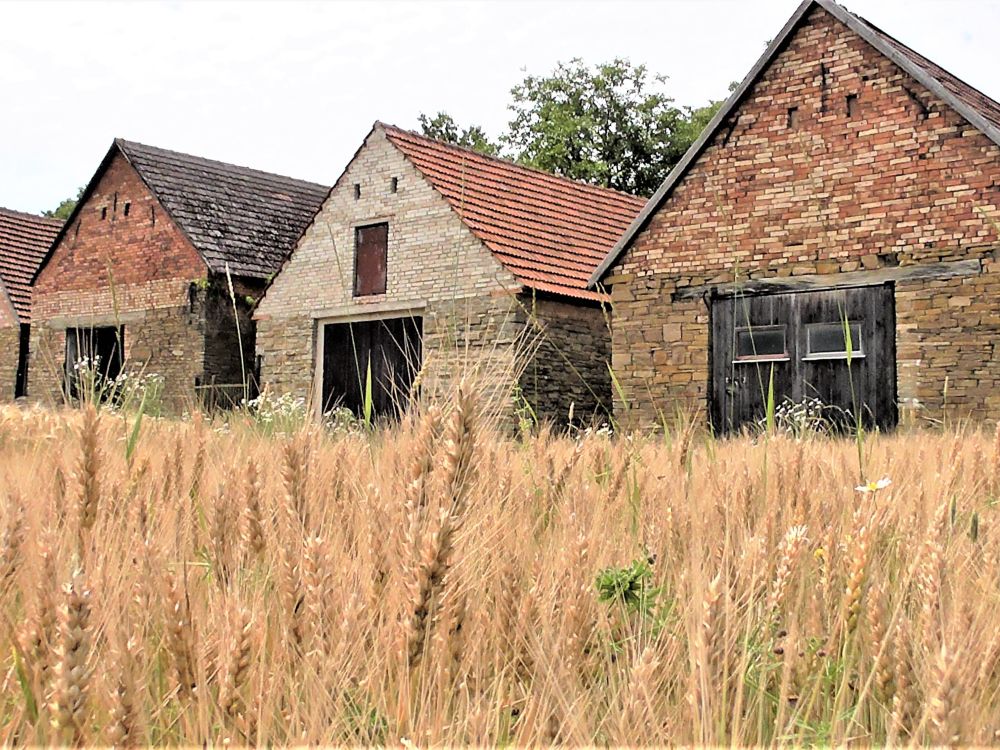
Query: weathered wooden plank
[819,282]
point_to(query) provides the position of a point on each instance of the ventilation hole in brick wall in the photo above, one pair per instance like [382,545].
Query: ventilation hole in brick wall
[793,117]
[152,214]
[357,190]
[852,105]
[115,209]
[394,184]
[104,213]
[128,207]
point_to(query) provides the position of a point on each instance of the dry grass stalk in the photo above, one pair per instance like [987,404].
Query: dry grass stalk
[12,540]
[124,725]
[88,470]
[943,700]
[180,634]
[857,562]
[789,551]
[253,523]
[68,705]
[534,656]
[236,671]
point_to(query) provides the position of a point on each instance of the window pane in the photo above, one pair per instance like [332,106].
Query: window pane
[828,338]
[762,341]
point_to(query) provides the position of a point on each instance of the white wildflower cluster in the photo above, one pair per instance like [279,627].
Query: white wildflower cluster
[131,389]
[342,419]
[269,410]
[85,365]
[799,418]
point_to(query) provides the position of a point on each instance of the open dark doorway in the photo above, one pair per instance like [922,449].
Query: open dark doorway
[94,358]
[21,380]
[390,349]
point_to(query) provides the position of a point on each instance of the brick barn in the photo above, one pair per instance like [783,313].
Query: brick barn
[848,184]
[24,241]
[431,258]
[138,274]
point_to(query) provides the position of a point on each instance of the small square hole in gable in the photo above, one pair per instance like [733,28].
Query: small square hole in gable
[793,117]
[127,208]
[852,105]
[394,184]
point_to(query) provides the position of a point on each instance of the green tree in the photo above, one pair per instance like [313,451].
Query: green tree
[443,127]
[610,125]
[64,209]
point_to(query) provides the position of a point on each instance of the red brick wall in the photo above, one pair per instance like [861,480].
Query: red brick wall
[141,247]
[903,181]
[137,268]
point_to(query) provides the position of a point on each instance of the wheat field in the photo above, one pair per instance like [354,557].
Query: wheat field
[440,583]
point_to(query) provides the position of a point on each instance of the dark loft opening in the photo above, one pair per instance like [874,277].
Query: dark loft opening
[793,117]
[94,359]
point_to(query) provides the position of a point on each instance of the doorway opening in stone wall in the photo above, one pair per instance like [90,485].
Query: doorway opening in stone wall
[21,379]
[803,337]
[390,349]
[94,360]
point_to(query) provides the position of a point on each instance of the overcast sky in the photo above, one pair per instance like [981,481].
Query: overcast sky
[293,87]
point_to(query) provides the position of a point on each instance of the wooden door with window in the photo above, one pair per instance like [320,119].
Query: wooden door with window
[833,351]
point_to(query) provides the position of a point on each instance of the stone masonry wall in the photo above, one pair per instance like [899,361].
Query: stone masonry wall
[436,268]
[572,352]
[900,180]
[136,270]
[9,347]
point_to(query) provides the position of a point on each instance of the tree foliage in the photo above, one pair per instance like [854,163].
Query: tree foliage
[443,127]
[65,208]
[611,124]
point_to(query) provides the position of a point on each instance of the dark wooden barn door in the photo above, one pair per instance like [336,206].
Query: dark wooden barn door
[390,347]
[801,338]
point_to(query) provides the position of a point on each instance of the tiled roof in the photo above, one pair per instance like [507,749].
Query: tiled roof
[973,98]
[976,107]
[243,217]
[24,241]
[549,232]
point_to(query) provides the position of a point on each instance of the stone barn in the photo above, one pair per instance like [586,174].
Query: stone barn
[24,241]
[139,277]
[833,232]
[428,261]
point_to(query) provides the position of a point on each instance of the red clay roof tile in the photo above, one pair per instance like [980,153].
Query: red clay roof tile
[24,241]
[548,231]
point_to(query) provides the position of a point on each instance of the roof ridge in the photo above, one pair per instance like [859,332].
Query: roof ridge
[936,80]
[923,57]
[125,145]
[32,217]
[508,162]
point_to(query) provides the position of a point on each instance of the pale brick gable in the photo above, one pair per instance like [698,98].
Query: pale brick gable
[432,255]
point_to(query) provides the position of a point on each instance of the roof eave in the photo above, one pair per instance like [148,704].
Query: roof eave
[854,24]
[701,143]
[5,299]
